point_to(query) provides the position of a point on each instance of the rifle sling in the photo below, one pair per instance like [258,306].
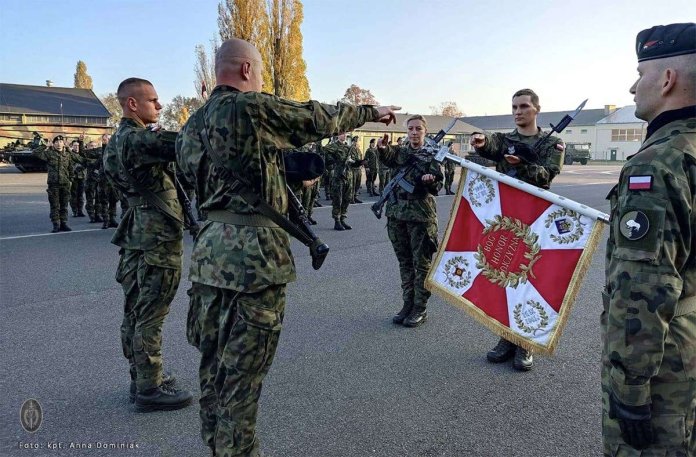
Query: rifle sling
[150,197]
[250,197]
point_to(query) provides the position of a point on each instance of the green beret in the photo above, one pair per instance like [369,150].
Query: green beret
[666,41]
[57,138]
[303,166]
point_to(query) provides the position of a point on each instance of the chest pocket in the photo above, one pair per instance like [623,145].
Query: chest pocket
[638,223]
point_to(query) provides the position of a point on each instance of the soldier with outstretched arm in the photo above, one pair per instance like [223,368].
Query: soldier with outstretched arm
[241,259]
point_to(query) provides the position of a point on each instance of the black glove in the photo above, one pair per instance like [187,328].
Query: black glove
[636,428]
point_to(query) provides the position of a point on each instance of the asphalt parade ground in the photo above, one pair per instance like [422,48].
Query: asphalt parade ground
[345,380]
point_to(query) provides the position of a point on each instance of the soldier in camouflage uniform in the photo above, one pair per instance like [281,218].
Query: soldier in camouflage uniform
[412,222]
[93,175]
[342,158]
[60,162]
[450,167]
[649,319]
[328,173]
[77,188]
[241,261]
[513,156]
[357,171]
[151,241]
[371,168]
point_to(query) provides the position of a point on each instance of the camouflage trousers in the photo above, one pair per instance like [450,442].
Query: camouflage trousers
[58,201]
[108,198]
[326,182]
[309,196]
[414,244]
[370,178]
[148,290]
[92,203]
[384,177]
[77,195]
[341,196]
[449,179]
[237,335]
[672,395]
[357,180]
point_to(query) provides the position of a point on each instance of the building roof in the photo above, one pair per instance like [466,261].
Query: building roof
[506,121]
[625,115]
[21,99]
[435,124]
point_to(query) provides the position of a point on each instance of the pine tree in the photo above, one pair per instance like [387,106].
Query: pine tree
[82,79]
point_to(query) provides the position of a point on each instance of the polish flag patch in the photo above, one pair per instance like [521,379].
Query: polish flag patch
[640,182]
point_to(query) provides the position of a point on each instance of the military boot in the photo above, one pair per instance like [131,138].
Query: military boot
[162,398]
[338,225]
[357,200]
[98,218]
[405,311]
[64,227]
[501,352]
[56,227]
[168,379]
[523,360]
[345,225]
[112,222]
[417,316]
[105,225]
[80,214]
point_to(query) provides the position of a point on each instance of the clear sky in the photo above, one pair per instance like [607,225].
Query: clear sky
[415,53]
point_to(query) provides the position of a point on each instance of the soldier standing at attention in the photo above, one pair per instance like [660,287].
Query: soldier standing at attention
[139,162]
[92,177]
[238,291]
[412,221]
[449,172]
[649,319]
[371,168]
[77,188]
[513,156]
[60,163]
[357,171]
[341,158]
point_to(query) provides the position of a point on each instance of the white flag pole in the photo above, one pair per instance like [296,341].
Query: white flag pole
[521,185]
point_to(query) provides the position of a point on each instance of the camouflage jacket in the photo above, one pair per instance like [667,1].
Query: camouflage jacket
[95,165]
[149,157]
[341,159]
[371,159]
[651,264]
[539,174]
[419,206]
[79,169]
[250,130]
[60,164]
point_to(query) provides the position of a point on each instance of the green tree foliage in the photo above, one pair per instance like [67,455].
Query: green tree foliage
[82,79]
[175,114]
[273,26]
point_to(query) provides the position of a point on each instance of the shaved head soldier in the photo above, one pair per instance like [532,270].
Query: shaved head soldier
[241,259]
[649,319]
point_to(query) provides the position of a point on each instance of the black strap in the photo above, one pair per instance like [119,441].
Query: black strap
[243,189]
[151,198]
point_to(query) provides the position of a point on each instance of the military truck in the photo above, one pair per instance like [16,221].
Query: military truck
[577,152]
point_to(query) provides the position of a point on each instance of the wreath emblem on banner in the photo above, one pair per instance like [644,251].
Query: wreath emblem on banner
[522,232]
[480,187]
[568,225]
[531,318]
[457,272]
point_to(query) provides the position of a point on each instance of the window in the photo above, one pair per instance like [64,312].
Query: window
[11,118]
[583,130]
[626,134]
[568,131]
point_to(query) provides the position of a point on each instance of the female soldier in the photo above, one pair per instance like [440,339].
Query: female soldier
[412,219]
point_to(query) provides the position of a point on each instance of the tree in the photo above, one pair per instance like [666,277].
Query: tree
[82,79]
[273,26]
[205,67]
[175,114]
[449,109]
[114,107]
[358,96]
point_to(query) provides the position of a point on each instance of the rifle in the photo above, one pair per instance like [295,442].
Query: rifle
[414,161]
[318,250]
[190,221]
[558,128]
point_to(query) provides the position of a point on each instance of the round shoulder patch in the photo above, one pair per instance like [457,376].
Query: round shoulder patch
[634,225]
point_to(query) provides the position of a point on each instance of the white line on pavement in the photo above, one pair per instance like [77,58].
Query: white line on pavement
[3,238]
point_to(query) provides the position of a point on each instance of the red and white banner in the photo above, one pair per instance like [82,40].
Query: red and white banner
[513,260]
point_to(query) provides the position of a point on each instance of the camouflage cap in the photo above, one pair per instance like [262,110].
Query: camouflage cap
[663,41]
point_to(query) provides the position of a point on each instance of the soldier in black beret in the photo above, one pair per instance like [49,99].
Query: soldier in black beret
[648,322]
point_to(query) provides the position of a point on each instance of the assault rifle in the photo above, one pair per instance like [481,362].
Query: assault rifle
[318,250]
[190,221]
[415,161]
